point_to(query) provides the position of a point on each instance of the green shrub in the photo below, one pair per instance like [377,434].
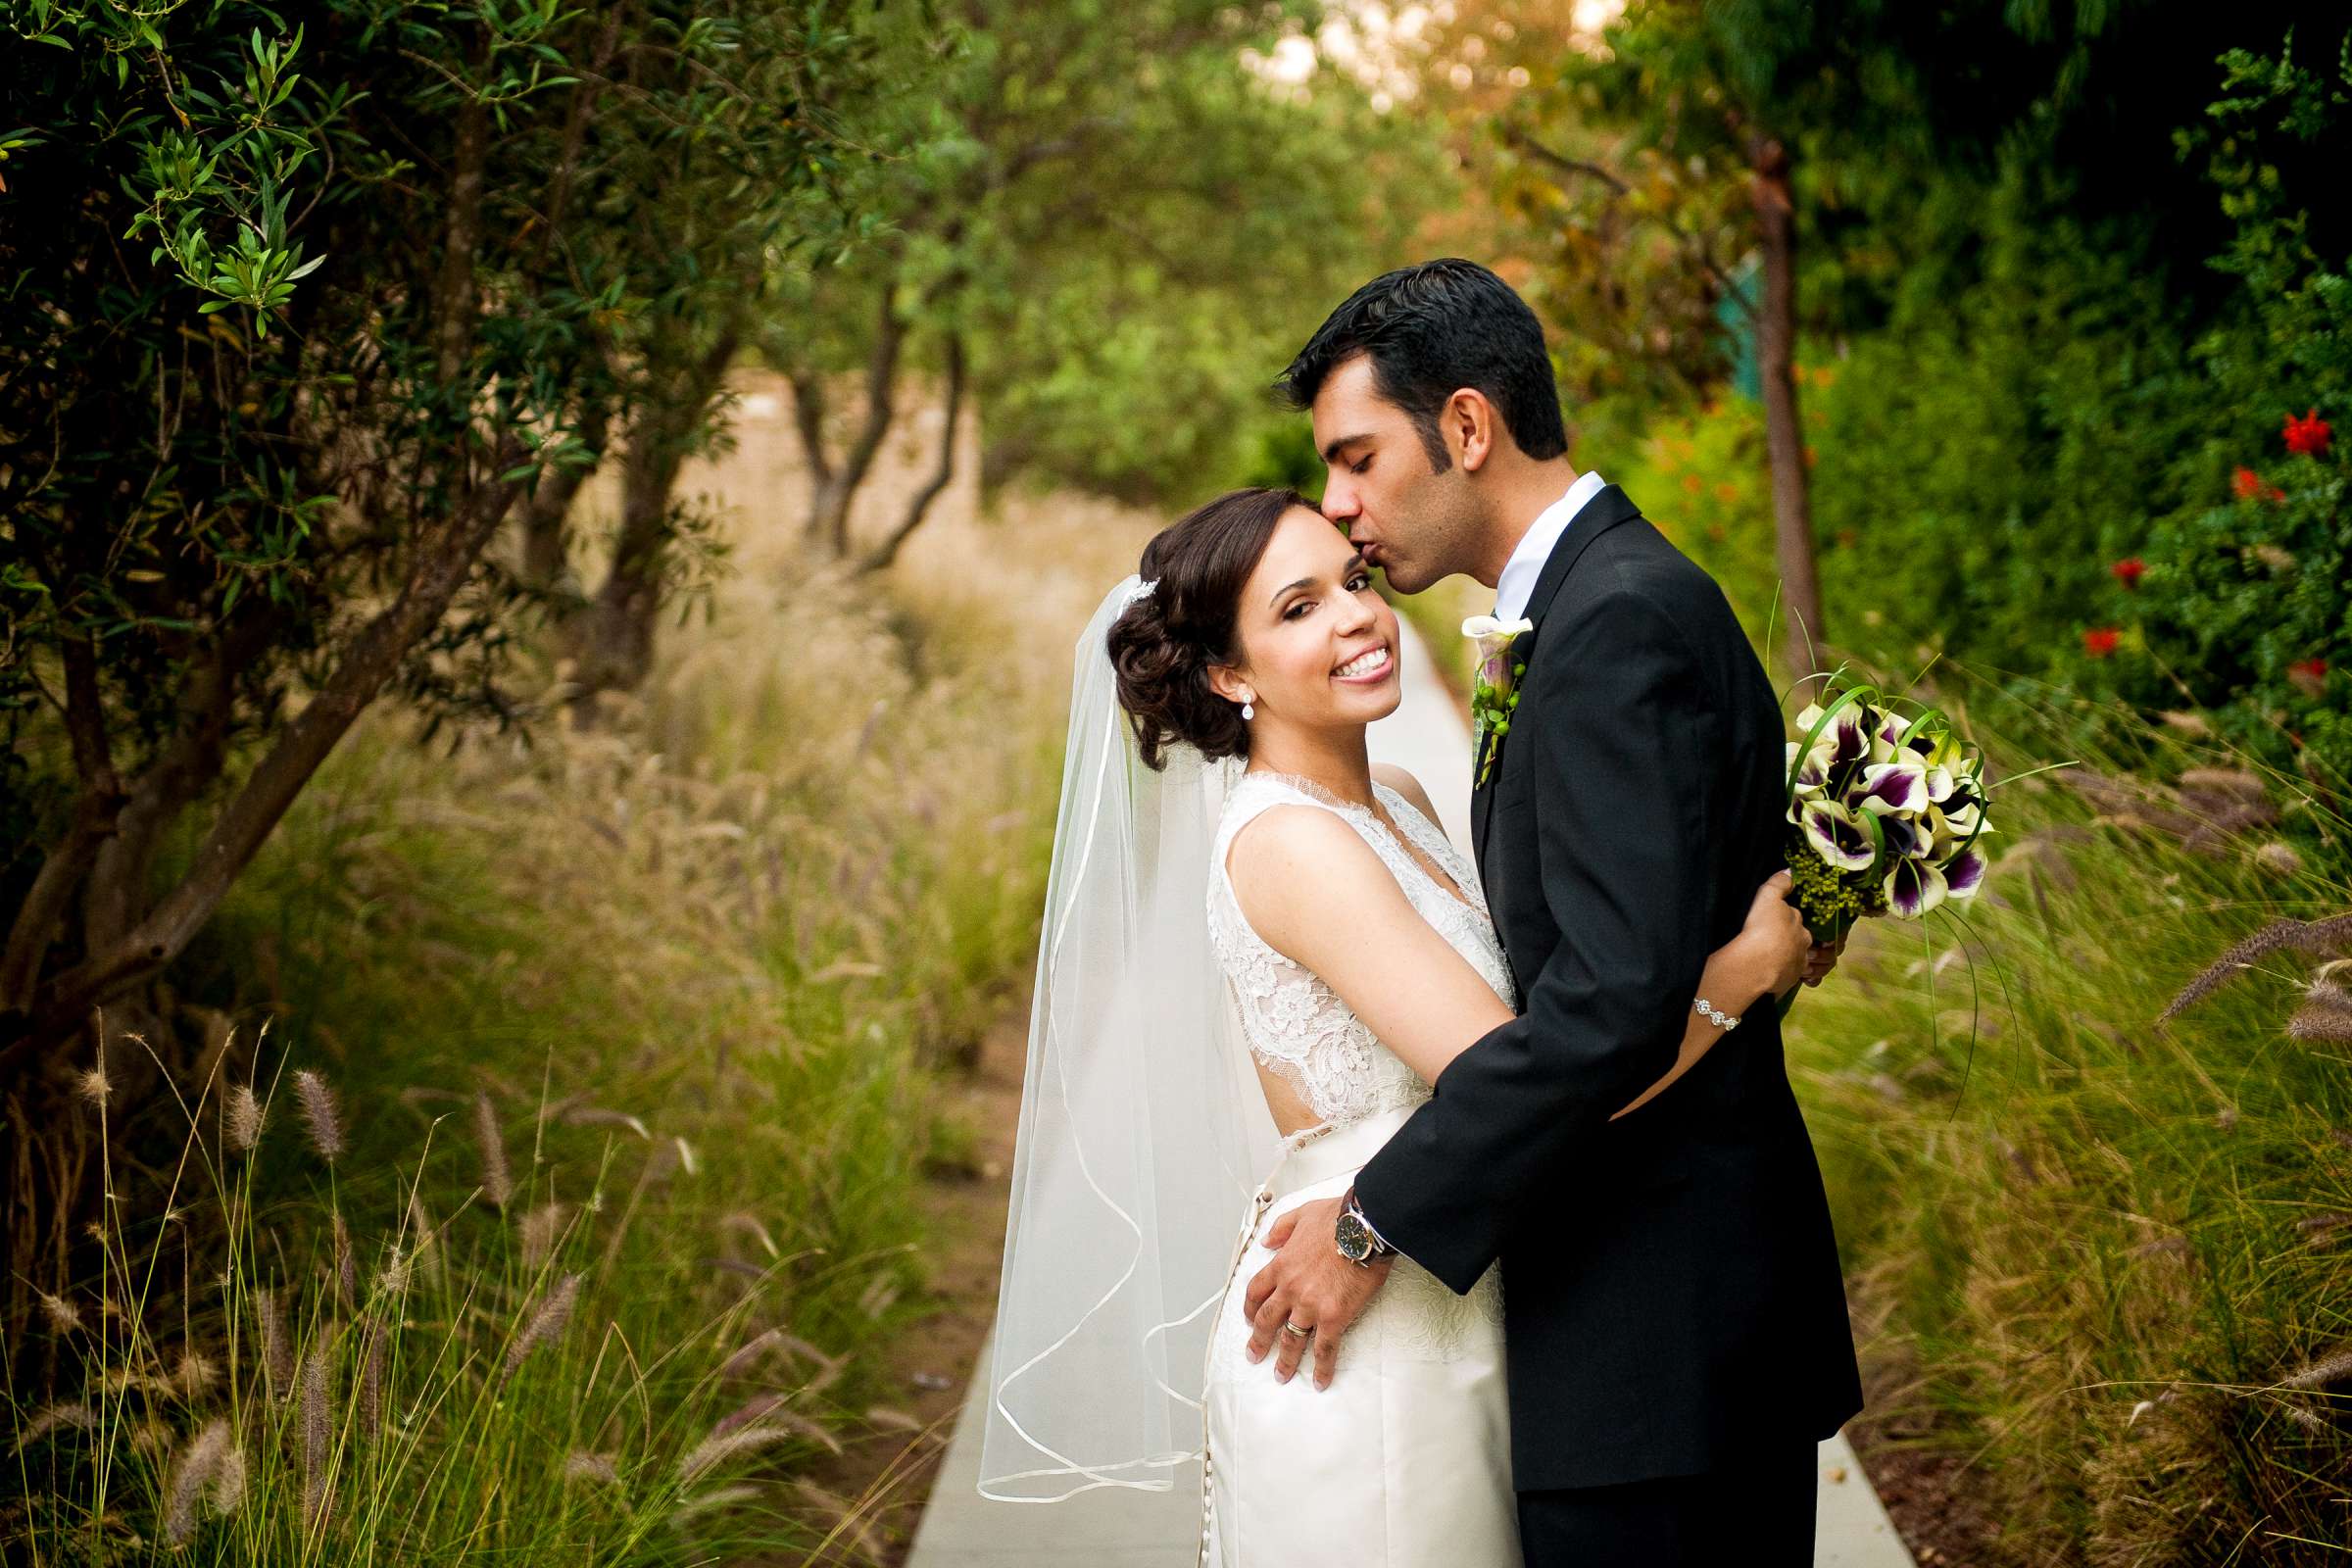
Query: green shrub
[2246,607]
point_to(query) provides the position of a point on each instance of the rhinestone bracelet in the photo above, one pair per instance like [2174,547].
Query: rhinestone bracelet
[1721,1020]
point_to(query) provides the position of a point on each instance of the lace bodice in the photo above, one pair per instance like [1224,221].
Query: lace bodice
[1297,1025]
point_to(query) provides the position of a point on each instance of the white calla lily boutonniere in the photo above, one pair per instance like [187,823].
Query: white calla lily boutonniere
[1495,692]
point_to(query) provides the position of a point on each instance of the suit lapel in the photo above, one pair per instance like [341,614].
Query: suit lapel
[1602,512]
[1482,802]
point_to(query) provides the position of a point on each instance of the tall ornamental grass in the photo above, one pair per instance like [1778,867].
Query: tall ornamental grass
[2092,1160]
[552,1180]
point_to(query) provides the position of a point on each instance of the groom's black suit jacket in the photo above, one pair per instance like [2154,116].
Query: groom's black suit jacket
[1671,1287]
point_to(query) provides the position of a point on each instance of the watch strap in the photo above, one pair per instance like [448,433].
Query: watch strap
[1381,1246]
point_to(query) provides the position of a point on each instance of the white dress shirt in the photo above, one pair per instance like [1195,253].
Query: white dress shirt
[1526,565]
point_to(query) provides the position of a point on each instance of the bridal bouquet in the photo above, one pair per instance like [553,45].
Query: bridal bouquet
[1884,811]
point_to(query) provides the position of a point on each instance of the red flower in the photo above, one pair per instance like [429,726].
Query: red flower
[2130,571]
[2100,640]
[2309,436]
[2249,486]
[2310,677]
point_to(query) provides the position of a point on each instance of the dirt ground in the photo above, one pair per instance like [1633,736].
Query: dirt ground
[1931,1494]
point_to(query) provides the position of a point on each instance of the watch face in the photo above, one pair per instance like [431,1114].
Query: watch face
[1354,1240]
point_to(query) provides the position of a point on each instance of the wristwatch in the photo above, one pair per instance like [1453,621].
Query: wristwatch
[1359,1244]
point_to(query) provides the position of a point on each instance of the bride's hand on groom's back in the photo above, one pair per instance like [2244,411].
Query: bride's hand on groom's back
[1773,950]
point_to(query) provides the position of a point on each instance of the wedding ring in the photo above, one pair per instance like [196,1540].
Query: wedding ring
[1287,1327]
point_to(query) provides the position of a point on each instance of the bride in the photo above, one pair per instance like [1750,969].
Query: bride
[1260,952]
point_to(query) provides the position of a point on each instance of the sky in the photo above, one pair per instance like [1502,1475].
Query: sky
[1383,47]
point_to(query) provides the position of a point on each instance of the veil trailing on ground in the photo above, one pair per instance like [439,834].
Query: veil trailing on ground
[1142,1132]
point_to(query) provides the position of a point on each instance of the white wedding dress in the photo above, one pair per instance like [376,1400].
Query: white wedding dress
[1404,1461]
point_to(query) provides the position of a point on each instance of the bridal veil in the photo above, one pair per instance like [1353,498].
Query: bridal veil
[1142,1132]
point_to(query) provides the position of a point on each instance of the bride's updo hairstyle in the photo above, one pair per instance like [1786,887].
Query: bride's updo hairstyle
[1165,644]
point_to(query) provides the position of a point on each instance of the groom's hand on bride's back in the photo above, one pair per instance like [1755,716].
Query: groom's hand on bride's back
[1311,1285]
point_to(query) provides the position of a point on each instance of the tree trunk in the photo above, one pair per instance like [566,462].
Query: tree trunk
[546,539]
[545,543]
[96,814]
[455,294]
[613,641]
[940,475]
[613,638]
[809,416]
[1001,459]
[1784,433]
[833,486]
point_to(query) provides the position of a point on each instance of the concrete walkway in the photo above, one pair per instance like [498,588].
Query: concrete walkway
[1122,1529]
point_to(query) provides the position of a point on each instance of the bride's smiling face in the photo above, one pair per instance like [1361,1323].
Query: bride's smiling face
[1317,645]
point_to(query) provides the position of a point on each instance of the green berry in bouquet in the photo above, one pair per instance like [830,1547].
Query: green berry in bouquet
[1886,807]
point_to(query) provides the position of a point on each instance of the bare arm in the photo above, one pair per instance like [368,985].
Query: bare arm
[1739,974]
[1317,893]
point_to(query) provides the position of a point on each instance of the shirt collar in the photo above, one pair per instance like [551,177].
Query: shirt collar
[1519,575]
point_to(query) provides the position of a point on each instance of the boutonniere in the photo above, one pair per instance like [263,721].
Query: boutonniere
[1495,692]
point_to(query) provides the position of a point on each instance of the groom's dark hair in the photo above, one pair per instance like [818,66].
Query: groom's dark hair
[1430,330]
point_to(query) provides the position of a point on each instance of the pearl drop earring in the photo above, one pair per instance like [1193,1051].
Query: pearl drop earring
[1248,711]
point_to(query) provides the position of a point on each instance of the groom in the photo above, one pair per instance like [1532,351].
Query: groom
[1675,1319]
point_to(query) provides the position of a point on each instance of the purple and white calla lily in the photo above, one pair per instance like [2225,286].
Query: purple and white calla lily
[1891,786]
[1906,838]
[1887,735]
[1843,742]
[1965,873]
[1838,836]
[1913,888]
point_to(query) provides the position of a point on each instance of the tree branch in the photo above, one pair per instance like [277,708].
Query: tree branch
[1692,245]
[575,132]
[1520,141]
[881,383]
[940,477]
[113,898]
[550,502]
